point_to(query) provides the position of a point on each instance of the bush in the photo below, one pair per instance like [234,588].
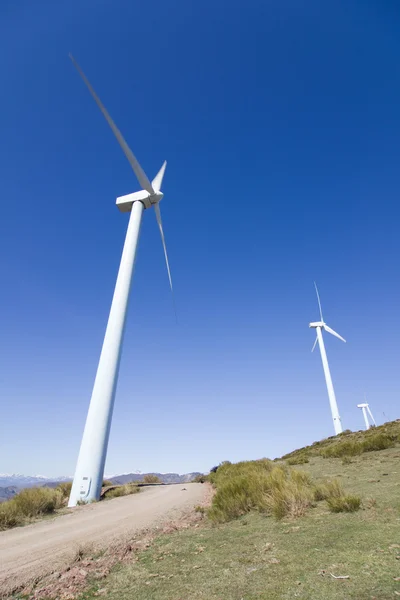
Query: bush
[298,460]
[344,504]
[65,489]
[123,490]
[340,449]
[377,441]
[151,479]
[32,502]
[345,432]
[259,485]
[346,449]
[107,482]
[9,517]
[199,479]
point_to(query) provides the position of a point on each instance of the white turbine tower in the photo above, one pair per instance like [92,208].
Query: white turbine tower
[92,455]
[365,407]
[319,326]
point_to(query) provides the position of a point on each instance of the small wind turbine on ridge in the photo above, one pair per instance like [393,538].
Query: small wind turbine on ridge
[365,408]
[89,471]
[319,326]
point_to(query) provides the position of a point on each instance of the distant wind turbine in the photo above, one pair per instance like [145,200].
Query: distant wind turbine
[319,326]
[365,407]
[89,472]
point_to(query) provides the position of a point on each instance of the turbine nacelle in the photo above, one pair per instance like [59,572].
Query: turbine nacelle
[124,203]
[317,324]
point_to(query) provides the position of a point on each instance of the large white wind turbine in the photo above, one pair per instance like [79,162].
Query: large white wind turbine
[365,407]
[92,455]
[319,326]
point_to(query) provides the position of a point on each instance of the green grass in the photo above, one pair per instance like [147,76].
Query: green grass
[256,557]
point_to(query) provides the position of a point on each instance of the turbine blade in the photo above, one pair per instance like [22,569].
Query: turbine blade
[159,221]
[157,181]
[137,169]
[319,302]
[329,330]
[315,343]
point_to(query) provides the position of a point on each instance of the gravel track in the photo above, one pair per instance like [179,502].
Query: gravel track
[39,549]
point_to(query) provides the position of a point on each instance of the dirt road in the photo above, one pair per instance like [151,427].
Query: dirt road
[38,549]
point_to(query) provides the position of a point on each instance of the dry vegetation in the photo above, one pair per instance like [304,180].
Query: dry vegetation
[29,504]
[349,444]
[38,502]
[123,490]
[271,489]
[151,479]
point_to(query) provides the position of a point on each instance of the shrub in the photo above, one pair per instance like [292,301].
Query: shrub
[32,502]
[344,504]
[123,490]
[9,517]
[340,449]
[298,460]
[199,479]
[151,479]
[345,432]
[377,441]
[259,485]
[107,482]
[65,489]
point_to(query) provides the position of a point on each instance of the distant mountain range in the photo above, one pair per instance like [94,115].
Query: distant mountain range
[164,477]
[11,484]
[23,481]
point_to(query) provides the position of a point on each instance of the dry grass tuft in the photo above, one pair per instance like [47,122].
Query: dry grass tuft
[328,489]
[123,490]
[151,479]
[298,460]
[344,504]
[259,485]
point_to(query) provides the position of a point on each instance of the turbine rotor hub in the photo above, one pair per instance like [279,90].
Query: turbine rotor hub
[156,197]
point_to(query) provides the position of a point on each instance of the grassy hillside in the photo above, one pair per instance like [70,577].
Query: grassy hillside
[260,555]
[349,443]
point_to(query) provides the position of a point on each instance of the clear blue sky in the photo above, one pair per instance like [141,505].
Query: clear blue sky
[280,122]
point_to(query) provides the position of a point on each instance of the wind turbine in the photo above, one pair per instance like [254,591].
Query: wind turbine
[319,326]
[88,478]
[365,407]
